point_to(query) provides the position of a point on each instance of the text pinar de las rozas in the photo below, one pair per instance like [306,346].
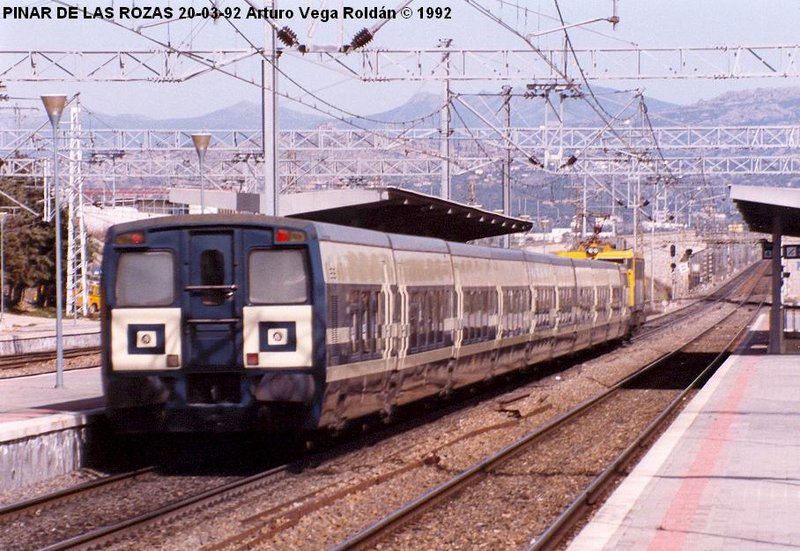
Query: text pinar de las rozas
[211,12]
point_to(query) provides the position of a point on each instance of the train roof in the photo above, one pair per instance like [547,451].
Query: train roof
[195,220]
[357,236]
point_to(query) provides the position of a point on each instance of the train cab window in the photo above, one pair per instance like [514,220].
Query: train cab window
[145,279]
[212,267]
[212,272]
[278,276]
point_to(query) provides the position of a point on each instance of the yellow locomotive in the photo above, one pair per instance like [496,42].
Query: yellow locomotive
[597,249]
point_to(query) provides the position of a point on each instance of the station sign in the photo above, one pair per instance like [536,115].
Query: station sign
[791,251]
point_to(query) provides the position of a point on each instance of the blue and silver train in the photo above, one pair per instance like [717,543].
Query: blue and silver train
[249,322]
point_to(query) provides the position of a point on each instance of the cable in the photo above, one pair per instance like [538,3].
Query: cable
[324,101]
[527,11]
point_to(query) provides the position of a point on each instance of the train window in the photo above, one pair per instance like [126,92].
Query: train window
[212,272]
[212,267]
[278,276]
[145,279]
[356,315]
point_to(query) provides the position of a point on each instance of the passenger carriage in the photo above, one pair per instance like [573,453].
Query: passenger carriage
[246,322]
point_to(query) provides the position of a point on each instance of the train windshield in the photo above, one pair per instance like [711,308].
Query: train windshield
[278,276]
[145,279]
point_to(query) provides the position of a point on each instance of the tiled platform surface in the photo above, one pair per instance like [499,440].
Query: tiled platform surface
[726,474]
[32,405]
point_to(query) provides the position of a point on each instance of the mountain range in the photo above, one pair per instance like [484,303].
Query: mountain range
[762,106]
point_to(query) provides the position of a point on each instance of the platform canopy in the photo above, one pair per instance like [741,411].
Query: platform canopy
[397,210]
[762,207]
[774,211]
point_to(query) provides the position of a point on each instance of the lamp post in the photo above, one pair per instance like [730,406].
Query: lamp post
[201,142]
[2,265]
[54,105]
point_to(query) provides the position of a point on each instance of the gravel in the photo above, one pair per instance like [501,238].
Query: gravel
[338,496]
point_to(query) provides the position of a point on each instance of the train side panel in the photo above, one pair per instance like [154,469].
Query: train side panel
[359,285]
[515,310]
[425,364]
[477,306]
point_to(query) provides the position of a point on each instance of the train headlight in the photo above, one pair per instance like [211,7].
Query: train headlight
[277,336]
[146,338]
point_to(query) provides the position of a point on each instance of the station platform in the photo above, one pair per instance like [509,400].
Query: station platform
[32,405]
[16,326]
[725,475]
[44,429]
[23,399]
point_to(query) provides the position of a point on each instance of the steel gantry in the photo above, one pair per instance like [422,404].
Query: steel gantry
[320,156]
[384,65]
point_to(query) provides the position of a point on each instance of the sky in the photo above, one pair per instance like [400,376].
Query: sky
[647,23]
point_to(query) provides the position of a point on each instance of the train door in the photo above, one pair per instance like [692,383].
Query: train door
[388,309]
[401,306]
[211,302]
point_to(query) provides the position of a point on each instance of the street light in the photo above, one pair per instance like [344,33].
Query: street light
[54,105]
[201,142]
[2,265]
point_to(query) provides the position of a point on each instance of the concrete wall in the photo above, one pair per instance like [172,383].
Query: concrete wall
[24,345]
[33,450]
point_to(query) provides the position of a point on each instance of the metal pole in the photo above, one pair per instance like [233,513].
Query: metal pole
[636,200]
[201,142]
[775,345]
[59,297]
[269,101]
[613,206]
[585,210]
[444,123]
[54,105]
[202,188]
[653,261]
[2,265]
[508,161]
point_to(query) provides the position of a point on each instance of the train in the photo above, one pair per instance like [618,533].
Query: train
[596,248]
[230,323]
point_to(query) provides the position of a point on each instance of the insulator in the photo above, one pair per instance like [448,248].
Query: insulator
[361,39]
[287,36]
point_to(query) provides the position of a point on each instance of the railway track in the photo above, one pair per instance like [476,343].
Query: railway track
[12,364]
[281,513]
[38,504]
[528,463]
[719,295]
[128,529]
[96,511]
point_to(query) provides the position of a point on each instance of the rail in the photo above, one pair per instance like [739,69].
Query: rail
[371,535]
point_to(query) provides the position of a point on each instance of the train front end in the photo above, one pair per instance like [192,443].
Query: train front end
[209,325]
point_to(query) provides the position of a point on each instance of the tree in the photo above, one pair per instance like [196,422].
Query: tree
[29,243]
